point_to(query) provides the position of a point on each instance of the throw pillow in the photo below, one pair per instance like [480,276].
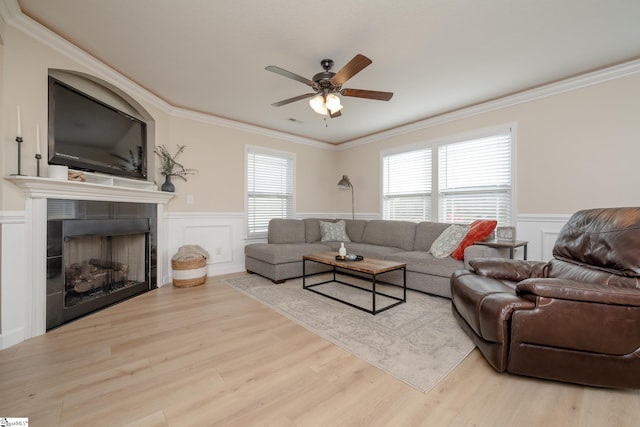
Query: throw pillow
[479,230]
[334,231]
[448,240]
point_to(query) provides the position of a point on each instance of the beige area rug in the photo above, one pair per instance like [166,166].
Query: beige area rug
[418,342]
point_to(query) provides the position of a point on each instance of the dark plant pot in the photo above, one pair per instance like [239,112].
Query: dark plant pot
[168,185]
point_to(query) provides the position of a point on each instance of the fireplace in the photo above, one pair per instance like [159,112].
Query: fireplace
[102,197]
[98,254]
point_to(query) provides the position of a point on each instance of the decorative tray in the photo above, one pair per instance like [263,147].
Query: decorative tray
[349,257]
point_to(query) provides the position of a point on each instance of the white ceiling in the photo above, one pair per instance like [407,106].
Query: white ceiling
[437,56]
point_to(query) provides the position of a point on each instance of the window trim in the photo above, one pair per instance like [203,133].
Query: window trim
[434,145]
[276,153]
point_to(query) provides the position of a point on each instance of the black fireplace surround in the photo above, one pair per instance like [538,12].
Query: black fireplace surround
[98,254]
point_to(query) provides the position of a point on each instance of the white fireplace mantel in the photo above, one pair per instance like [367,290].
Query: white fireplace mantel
[47,188]
[37,190]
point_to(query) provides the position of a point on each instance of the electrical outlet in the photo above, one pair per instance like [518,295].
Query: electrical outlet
[190,199]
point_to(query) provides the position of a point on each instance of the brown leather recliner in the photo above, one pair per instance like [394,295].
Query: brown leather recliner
[575,318]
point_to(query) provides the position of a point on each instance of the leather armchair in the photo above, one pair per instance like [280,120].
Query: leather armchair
[575,318]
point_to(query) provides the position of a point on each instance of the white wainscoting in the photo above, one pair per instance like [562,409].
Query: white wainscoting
[13,277]
[541,231]
[220,234]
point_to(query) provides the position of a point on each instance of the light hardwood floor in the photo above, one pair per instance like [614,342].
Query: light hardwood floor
[209,355]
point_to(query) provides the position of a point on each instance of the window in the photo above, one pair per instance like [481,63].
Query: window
[472,177]
[270,188]
[475,180]
[406,187]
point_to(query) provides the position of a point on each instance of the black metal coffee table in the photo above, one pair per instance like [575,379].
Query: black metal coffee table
[370,266]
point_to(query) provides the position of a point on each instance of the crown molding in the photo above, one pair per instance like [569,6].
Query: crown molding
[13,16]
[11,13]
[244,127]
[567,85]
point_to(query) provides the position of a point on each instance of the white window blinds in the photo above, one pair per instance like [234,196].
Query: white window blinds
[475,179]
[458,181]
[270,188]
[406,191]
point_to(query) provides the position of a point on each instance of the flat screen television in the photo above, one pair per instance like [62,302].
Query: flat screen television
[87,134]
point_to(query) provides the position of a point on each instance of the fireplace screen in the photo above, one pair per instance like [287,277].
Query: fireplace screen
[99,265]
[98,254]
[94,263]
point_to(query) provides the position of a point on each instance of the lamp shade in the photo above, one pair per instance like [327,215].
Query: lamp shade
[318,105]
[345,183]
[323,104]
[333,103]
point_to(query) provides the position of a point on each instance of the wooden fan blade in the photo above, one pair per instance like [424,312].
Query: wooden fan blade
[357,64]
[294,99]
[289,74]
[336,114]
[369,94]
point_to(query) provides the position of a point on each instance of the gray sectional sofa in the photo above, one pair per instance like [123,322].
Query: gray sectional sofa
[402,241]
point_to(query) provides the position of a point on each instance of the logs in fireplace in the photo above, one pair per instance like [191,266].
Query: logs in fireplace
[95,279]
[95,275]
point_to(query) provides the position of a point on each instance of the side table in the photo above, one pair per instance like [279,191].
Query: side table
[510,244]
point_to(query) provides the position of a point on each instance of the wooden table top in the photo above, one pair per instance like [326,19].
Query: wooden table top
[367,265]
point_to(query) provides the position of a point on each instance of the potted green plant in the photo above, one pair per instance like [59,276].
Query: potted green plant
[170,167]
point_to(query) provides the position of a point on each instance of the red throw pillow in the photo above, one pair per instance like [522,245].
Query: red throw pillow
[479,230]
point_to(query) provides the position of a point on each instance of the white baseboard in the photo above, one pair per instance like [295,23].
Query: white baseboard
[13,337]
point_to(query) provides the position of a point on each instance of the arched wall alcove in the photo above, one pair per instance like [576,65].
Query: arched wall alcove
[117,98]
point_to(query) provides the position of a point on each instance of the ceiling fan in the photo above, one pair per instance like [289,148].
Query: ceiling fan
[327,85]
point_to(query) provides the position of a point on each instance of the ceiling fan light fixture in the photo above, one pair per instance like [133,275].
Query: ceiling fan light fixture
[324,105]
[333,103]
[318,105]
[328,84]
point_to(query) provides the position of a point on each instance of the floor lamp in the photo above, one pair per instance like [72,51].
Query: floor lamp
[345,184]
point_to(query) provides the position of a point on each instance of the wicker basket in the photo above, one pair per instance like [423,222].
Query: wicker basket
[189,273]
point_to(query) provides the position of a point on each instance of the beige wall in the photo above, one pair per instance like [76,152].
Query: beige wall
[575,150]
[24,82]
[216,151]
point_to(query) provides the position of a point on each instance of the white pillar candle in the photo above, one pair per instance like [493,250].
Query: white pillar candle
[37,139]
[19,123]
